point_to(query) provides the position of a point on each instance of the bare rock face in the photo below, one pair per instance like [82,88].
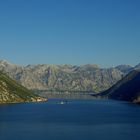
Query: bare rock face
[63,77]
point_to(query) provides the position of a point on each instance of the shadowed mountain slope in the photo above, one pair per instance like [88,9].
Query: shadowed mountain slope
[127,89]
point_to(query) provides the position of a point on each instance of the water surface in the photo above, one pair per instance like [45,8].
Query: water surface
[75,120]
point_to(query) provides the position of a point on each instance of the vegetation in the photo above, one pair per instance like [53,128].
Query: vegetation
[11,91]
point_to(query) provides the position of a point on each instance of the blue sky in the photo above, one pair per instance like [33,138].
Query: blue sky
[104,32]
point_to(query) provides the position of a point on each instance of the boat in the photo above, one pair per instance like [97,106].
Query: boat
[64,102]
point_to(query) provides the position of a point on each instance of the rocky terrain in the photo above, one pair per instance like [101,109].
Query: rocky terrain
[12,92]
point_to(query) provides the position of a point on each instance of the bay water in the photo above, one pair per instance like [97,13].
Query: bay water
[58,119]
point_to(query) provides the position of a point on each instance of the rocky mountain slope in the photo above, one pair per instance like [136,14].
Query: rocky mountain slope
[12,92]
[127,89]
[125,68]
[63,78]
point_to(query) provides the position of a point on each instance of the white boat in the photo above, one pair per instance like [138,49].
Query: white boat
[64,102]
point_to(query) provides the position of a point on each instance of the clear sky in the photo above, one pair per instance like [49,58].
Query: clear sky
[104,32]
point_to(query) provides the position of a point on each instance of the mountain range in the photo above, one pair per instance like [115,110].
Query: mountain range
[65,78]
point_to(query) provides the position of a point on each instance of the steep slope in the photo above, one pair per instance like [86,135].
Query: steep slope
[89,77]
[125,68]
[137,67]
[12,92]
[127,89]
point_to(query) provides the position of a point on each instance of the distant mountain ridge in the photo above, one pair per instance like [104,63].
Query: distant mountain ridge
[12,92]
[89,77]
[125,68]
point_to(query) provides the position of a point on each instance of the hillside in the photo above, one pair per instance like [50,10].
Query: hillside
[63,78]
[12,92]
[127,89]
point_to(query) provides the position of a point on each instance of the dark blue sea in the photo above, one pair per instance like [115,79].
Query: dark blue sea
[70,120]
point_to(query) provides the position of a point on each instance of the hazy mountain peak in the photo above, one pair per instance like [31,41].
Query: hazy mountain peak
[124,68]
[90,65]
[5,62]
[137,67]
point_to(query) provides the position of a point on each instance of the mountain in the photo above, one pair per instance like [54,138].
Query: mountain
[127,89]
[64,78]
[137,67]
[12,92]
[125,68]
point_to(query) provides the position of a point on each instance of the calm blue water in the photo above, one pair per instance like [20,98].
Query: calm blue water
[77,120]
